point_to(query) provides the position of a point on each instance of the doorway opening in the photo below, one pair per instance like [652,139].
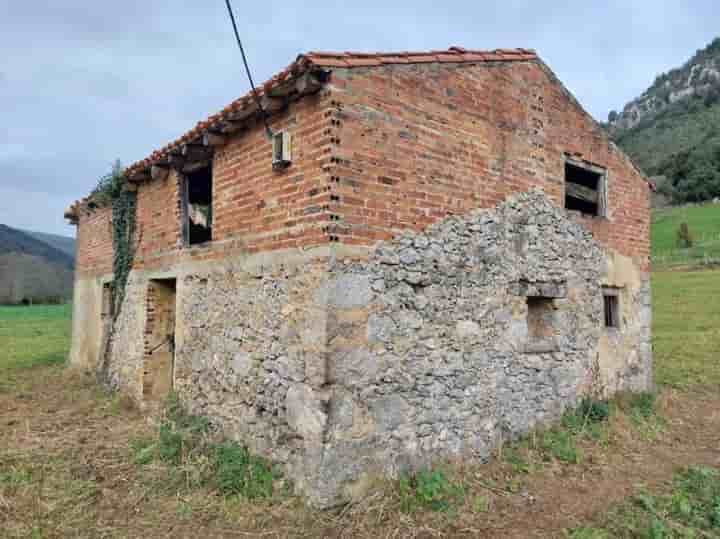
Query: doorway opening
[159,363]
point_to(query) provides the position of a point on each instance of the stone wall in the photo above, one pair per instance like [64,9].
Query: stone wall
[430,355]
[433,345]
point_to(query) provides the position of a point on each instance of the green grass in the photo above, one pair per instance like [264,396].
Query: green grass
[429,489]
[33,336]
[589,424]
[691,508]
[686,327]
[194,457]
[704,224]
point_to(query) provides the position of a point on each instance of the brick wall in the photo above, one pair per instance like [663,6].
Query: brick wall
[415,143]
[94,243]
[254,207]
[385,149]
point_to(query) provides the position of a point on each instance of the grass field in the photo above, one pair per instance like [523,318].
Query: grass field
[704,224]
[686,327]
[32,336]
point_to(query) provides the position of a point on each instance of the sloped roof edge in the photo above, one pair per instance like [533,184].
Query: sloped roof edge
[316,61]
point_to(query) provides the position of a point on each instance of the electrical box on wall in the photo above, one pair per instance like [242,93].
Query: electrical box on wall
[282,150]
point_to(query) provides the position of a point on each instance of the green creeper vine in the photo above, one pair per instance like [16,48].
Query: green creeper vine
[112,190]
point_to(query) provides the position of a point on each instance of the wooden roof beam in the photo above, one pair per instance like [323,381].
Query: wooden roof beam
[214,139]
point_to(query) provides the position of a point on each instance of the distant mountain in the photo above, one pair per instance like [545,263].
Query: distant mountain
[32,270]
[66,244]
[13,240]
[673,129]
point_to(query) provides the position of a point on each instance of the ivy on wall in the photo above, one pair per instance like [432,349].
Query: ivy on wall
[112,190]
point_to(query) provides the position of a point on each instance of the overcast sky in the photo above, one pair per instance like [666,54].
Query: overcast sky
[83,83]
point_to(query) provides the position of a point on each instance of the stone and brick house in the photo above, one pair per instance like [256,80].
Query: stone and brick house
[433,252]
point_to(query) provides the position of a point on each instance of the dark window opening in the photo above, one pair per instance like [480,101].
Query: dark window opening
[198,207]
[611,308]
[108,300]
[584,190]
[540,318]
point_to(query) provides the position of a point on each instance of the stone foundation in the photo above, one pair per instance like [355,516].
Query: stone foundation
[431,346]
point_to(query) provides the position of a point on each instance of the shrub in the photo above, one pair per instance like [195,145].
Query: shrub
[683,237]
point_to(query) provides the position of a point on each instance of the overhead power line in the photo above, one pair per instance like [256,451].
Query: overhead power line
[263,112]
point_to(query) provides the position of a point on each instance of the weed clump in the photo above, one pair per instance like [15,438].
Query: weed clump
[690,509]
[236,471]
[429,489]
[187,444]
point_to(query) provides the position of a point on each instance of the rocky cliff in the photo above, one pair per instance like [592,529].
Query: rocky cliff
[672,130]
[698,77]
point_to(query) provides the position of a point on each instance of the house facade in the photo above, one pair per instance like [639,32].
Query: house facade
[432,252]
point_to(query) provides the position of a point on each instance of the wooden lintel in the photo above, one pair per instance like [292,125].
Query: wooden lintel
[282,90]
[195,165]
[242,115]
[231,127]
[272,104]
[581,192]
[138,177]
[176,161]
[214,139]
[577,161]
[308,83]
[159,173]
[195,152]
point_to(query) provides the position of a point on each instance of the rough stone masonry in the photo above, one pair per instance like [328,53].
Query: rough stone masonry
[405,281]
[343,368]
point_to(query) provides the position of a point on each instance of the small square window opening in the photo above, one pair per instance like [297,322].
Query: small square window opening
[540,317]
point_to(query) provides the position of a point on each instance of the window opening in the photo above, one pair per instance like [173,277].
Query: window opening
[198,206]
[584,189]
[282,150]
[540,318]
[611,308]
[108,301]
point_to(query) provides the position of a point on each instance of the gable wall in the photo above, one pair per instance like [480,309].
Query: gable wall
[420,142]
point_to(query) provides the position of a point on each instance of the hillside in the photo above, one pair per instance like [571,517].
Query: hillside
[673,128]
[66,244]
[32,270]
[13,240]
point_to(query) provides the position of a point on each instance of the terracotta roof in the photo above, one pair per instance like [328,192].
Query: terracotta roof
[318,61]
